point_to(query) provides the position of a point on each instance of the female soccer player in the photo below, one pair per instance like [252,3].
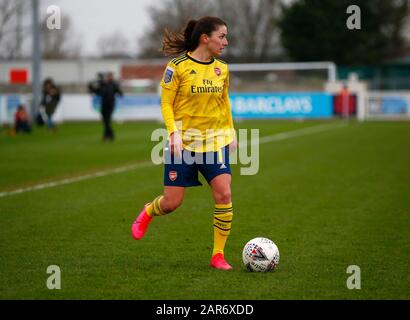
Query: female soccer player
[196,110]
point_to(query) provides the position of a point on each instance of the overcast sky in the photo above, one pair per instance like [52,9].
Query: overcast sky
[92,19]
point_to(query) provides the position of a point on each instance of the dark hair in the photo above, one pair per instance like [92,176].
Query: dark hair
[188,39]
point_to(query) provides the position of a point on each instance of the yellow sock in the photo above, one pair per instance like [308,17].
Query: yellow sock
[154,208]
[222,226]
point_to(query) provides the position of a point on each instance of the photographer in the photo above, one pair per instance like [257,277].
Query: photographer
[94,86]
[107,88]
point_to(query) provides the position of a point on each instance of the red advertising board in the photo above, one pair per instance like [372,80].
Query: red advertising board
[18,76]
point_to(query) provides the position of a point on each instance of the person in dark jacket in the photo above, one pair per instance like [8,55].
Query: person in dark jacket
[107,90]
[50,99]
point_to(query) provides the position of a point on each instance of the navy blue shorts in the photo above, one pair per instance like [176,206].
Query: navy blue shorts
[183,172]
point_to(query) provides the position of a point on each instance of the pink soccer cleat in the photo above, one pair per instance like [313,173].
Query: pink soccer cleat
[218,261]
[140,225]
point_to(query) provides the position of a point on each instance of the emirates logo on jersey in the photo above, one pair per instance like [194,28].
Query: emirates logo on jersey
[217,71]
[173,175]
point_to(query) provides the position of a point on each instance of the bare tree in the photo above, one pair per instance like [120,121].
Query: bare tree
[398,27]
[14,27]
[60,43]
[114,45]
[171,14]
[252,31]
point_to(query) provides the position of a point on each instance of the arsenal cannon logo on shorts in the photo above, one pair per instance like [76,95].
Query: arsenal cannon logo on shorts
[173,175]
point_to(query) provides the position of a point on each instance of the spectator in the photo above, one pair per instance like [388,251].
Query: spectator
[51,98]
[21,120]
[345,94]
[344,102]
[107,90]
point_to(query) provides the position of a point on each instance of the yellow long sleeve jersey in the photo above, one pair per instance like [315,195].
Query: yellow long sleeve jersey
[195,102]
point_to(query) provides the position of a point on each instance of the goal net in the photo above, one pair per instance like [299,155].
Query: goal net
[281,90]
[281,77]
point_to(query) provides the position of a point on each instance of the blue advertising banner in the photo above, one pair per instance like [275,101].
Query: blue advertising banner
[281,105]
[134,107]
[8,106]
[12,102]
[394,105]
[130,101]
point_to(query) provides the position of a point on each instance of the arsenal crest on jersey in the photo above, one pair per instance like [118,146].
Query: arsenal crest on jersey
[173,175]
[217,71]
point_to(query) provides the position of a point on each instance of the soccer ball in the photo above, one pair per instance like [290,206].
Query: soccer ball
[260,255]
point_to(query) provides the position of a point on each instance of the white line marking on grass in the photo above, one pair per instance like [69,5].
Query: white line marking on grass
[104,173]
[79,178]
[300,132]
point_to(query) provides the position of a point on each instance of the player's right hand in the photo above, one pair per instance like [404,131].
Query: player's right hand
[175,144]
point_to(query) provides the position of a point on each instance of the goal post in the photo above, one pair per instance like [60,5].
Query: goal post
[326,65]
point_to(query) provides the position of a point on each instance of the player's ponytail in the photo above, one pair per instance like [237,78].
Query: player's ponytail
[189,29]
[188,40]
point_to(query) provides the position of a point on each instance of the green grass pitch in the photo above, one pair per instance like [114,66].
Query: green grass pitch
[328,199]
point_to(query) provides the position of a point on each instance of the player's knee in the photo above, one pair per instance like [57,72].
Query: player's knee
[223,196]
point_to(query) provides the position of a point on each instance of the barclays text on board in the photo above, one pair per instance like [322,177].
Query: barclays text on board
[281,105]
[148,106]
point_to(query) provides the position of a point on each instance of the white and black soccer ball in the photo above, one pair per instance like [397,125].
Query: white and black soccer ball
[260,255]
